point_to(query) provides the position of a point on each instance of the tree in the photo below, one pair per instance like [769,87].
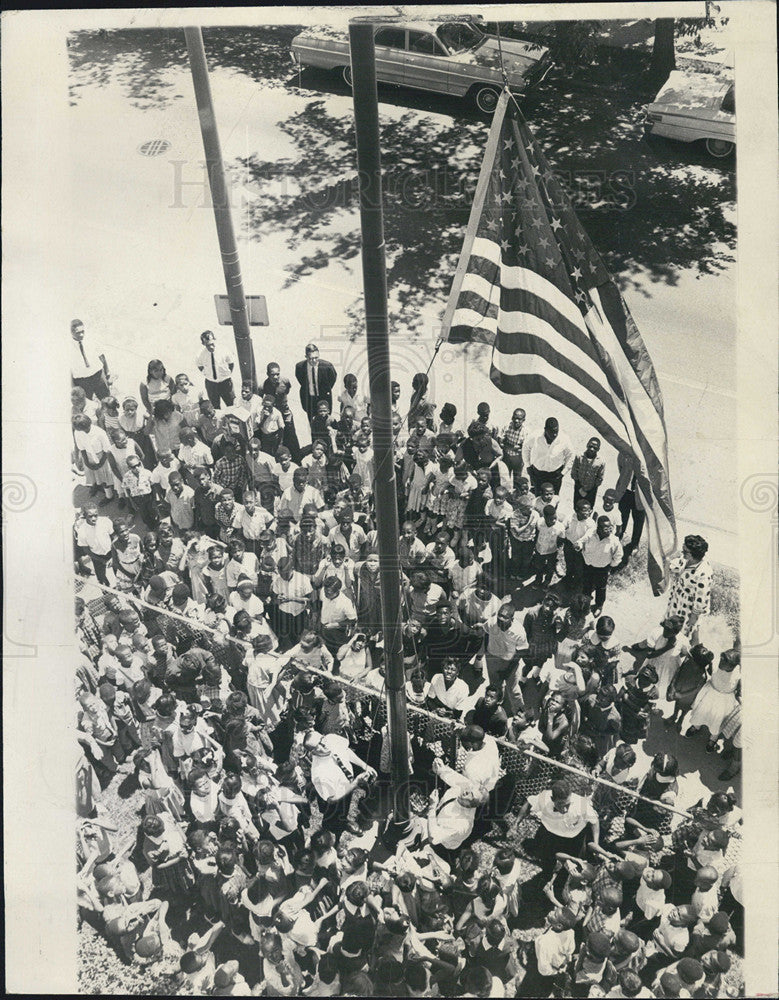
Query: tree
[668,29]
[663,53]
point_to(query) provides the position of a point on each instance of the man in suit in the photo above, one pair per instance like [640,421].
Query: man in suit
[629,501]
[316,379]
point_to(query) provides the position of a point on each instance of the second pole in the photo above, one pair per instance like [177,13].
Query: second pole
[374,271]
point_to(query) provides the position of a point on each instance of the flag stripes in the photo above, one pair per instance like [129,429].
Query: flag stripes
[530,283]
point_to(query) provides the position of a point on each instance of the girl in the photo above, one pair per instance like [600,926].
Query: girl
[94,449]
[316,463]
[439,479]
[137,427]
[692,674]
[659,784]
[717,699]
[158,385]
[417,484]
[619,767]
[363,461]
[109,414]
[368,594]
[665,648]
[166,851]
[420,405]
[166,427]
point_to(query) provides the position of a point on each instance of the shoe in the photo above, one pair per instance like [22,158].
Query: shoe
[711,746]
[597,612]
[692,731]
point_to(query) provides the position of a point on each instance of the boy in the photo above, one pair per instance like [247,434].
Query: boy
[168,463]
[546,496]
[549,542]
[499,512]
[192,454]
[523,529]
[587,472]
[253,521]
[576,527]
[207,424]
[186,400]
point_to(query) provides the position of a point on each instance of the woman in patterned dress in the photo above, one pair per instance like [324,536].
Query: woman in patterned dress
[690,594]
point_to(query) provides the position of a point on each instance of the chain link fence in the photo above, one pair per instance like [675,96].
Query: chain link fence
[525,769]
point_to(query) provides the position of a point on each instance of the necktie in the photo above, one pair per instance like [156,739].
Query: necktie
[83,354]
[314,377]
[213,365]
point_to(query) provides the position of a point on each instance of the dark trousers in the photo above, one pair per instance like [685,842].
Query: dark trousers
[219,392]
[589,496]
[95,385]
[574,566]
[596,579]
[628,508]
[537,479]
[515,466]
[545,567]
[100,564]
[289,628]
[521,557]
[270,442]
[146,506]
[335,814]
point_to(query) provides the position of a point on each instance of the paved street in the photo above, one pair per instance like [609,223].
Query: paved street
[146,265]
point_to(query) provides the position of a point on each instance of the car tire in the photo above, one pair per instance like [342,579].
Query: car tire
[486,98]
[346,73]
[720,148]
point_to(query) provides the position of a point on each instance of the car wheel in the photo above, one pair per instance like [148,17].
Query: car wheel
[486,99]
[719,147]
[346,73]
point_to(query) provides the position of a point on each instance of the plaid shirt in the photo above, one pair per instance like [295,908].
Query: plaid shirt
[308,553]
[230,473]
[588,472]
[513,440]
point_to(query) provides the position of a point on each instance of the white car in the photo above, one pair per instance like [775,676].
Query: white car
[448,56]
[696,107]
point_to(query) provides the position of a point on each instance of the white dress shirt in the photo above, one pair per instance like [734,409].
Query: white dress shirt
[330,779]
[600,552]
[220,359]
[548,457]
[81,368]
[568,824]
[96,537]
[450,823]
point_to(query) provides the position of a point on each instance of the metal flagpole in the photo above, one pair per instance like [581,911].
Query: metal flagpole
[220,198]
[366,120]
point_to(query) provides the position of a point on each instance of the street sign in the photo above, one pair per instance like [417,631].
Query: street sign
[256,306]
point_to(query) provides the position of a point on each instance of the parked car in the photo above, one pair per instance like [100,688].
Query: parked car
[696,107]
[448,56]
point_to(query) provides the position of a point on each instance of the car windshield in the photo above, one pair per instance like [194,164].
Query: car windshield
[459,36]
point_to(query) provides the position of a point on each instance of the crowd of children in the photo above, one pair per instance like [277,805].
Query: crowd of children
[232,675]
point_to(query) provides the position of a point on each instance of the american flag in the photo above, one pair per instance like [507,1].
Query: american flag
[530,282]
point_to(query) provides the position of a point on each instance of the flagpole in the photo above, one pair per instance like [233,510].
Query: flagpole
[220,198]
[374,271]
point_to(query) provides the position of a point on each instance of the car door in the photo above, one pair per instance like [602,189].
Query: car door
[390,44]
[426,62]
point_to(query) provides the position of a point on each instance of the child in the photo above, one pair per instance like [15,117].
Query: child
[523,530]
[207,424]
[665,647]
[508,875]
[417,483]
[440,478]
[456,499]
[316,463]
[286,468]
[499,512]
[546,496]
[320,423]
[363,461]
[650,899]
[351,396]
[550,955]
[137,427]
[688,680]
[549,543]
[109,414]
[608,506]
[465,572]
[587,472]
[186,399]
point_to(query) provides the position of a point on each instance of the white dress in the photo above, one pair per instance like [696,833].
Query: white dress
[715,701]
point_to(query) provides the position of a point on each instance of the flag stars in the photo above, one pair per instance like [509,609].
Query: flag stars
[504,245]
[556,224]
[492,225]
[508,144]
[550,261]
[576,273]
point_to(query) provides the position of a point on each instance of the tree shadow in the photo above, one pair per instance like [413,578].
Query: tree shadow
[653,208]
